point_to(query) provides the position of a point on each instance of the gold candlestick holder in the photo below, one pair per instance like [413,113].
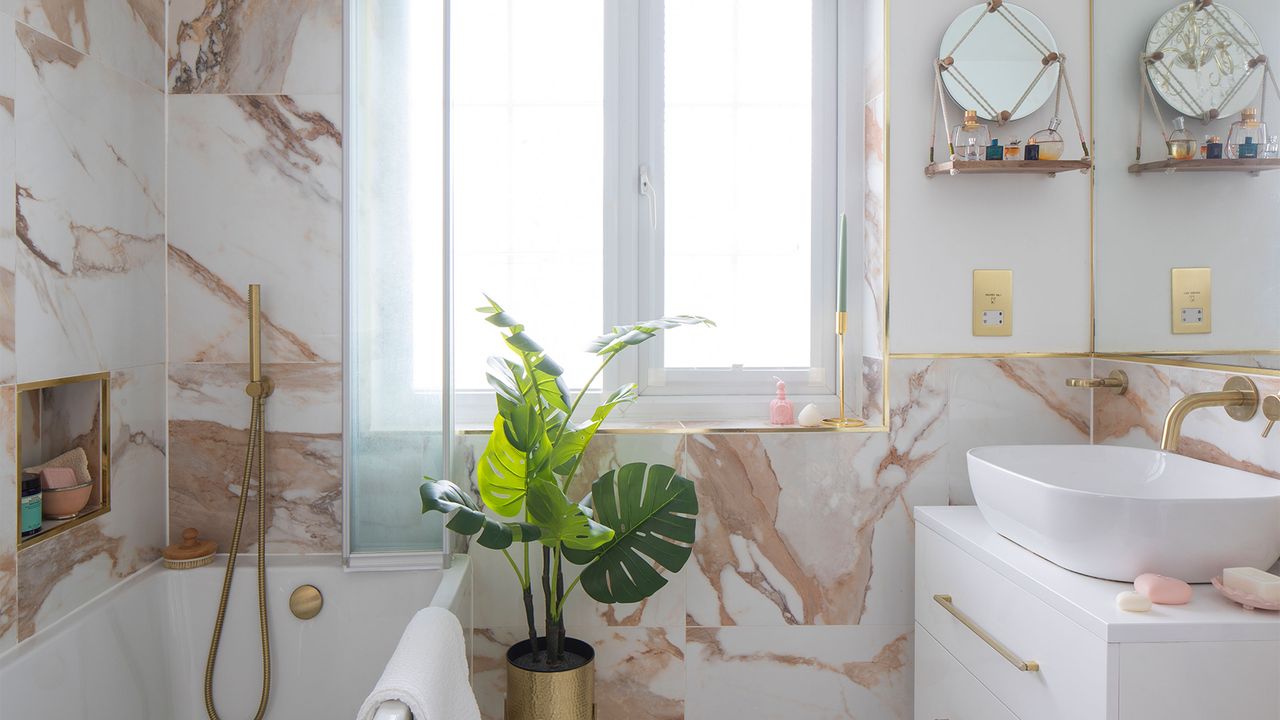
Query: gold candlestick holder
[843,421]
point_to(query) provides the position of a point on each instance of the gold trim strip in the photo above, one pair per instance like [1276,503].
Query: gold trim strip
[1191,364]
[1184,353]
[1005,652]
[986,356]
[104,438]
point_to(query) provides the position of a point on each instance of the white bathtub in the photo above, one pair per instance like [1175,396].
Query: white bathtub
[138,651]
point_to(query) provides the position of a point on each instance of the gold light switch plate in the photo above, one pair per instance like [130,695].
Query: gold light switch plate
[992,303]
[1192,306]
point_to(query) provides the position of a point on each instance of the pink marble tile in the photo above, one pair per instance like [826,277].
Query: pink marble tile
[209,415]
[8,523]
[127,35]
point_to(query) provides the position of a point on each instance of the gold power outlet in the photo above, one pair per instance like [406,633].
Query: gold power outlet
[992,303]
[1192,301]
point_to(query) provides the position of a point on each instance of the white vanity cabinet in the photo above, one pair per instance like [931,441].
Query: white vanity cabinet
[1069,653]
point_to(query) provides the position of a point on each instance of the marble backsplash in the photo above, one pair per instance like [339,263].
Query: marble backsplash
[797,600]
[82,278]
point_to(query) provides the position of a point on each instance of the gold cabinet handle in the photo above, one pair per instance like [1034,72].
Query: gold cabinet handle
[1006,653]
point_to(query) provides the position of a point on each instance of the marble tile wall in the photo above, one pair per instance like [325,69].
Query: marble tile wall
[255,196]
[82,276]
[797,600]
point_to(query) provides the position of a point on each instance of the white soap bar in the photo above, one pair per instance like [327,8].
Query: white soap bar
[1253,581]
[810,416]
[1131,601]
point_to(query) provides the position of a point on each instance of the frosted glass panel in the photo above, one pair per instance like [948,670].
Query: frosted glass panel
[738,126]
[397,321]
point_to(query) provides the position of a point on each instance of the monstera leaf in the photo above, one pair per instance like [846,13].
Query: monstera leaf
[445,497]
[562,521]
[574,442]
[652,512]
[518,449]
[621,337]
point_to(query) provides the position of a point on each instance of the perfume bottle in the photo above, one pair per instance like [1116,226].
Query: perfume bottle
[1033,150]
[1248,126]
[1214,149]
[1204,148]
[1013,150]
[1248,150]
[995,151]
[1181,145]
[1050,141]
[969,137]
[1272,150]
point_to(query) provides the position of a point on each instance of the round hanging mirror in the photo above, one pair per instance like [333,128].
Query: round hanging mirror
[1205,60]
[999,59]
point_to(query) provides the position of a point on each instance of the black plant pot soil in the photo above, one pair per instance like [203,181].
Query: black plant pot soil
[576,654]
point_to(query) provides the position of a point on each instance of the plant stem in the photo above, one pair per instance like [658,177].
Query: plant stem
[523,583]
[557,581]
[528,618]
[549,595]
[567,591]
[581,394]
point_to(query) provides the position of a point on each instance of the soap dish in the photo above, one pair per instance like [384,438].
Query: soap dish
[1250,602]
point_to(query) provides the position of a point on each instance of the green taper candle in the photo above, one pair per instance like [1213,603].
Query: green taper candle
[842,266]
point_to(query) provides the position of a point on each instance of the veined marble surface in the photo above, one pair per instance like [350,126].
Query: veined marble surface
[208,421]
[794,532]
[255,195]
[60,574]
[255,46]
[8,528]
[126,35]
[90,214]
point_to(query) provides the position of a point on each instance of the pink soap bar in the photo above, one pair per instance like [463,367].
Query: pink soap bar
[1163,590]
[57,477]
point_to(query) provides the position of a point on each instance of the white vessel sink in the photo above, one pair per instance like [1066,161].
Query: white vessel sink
[1118,512]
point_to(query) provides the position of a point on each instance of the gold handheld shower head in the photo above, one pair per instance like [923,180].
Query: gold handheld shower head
[258,386]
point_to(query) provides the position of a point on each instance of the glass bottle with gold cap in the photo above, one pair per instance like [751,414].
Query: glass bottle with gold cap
[970,138]
[1249,129]
[1050,141]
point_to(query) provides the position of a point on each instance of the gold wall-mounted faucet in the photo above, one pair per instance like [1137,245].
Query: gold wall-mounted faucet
[1239,396]
[1271,411]
[1118,380]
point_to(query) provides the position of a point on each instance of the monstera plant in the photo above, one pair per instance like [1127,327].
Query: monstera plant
[637,521]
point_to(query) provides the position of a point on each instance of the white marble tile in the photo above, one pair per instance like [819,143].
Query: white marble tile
[126,35]
[255,46]
[62,573]
[208,417]
[255,196]
[816,673]
[8,217]
[90,223]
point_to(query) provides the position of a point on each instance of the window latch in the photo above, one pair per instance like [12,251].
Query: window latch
[647,190]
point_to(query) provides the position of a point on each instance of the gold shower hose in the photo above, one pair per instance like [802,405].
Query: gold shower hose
[258,389]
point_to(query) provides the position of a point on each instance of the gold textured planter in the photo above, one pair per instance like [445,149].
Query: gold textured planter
[562,695]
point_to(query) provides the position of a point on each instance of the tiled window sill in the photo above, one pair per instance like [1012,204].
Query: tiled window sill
[693,427]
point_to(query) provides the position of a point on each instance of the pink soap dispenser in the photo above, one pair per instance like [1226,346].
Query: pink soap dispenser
[780,410]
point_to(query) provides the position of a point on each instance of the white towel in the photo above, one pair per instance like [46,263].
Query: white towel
[427,672]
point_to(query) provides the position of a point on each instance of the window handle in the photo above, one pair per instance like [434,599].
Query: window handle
[649,191]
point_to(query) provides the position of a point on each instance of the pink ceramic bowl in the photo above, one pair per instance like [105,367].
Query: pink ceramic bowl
[65,503]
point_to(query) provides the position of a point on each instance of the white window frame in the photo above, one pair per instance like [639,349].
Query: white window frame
[633,261]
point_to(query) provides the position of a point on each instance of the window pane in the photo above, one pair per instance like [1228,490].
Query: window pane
[528,172]
[738,159]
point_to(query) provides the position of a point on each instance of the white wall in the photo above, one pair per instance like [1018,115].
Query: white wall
[941,229]
[1148,224]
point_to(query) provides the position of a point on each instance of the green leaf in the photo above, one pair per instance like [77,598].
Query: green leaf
[574,442]
[504,470]
[621,337]
[467,518]
[562,521]
[653,513]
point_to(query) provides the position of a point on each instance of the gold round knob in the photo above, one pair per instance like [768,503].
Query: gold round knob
[306,602]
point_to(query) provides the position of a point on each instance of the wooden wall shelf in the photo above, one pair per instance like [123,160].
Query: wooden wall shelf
[1227,165]
[1007,167]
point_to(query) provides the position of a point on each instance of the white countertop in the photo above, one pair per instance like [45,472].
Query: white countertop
[1090,602]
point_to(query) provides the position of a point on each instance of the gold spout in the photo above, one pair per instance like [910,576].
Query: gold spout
[258,386]
[1239,396]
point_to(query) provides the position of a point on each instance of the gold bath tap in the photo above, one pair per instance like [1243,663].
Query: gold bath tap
[1239,396]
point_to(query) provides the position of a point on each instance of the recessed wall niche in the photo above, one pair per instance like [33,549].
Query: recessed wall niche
[56,421]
